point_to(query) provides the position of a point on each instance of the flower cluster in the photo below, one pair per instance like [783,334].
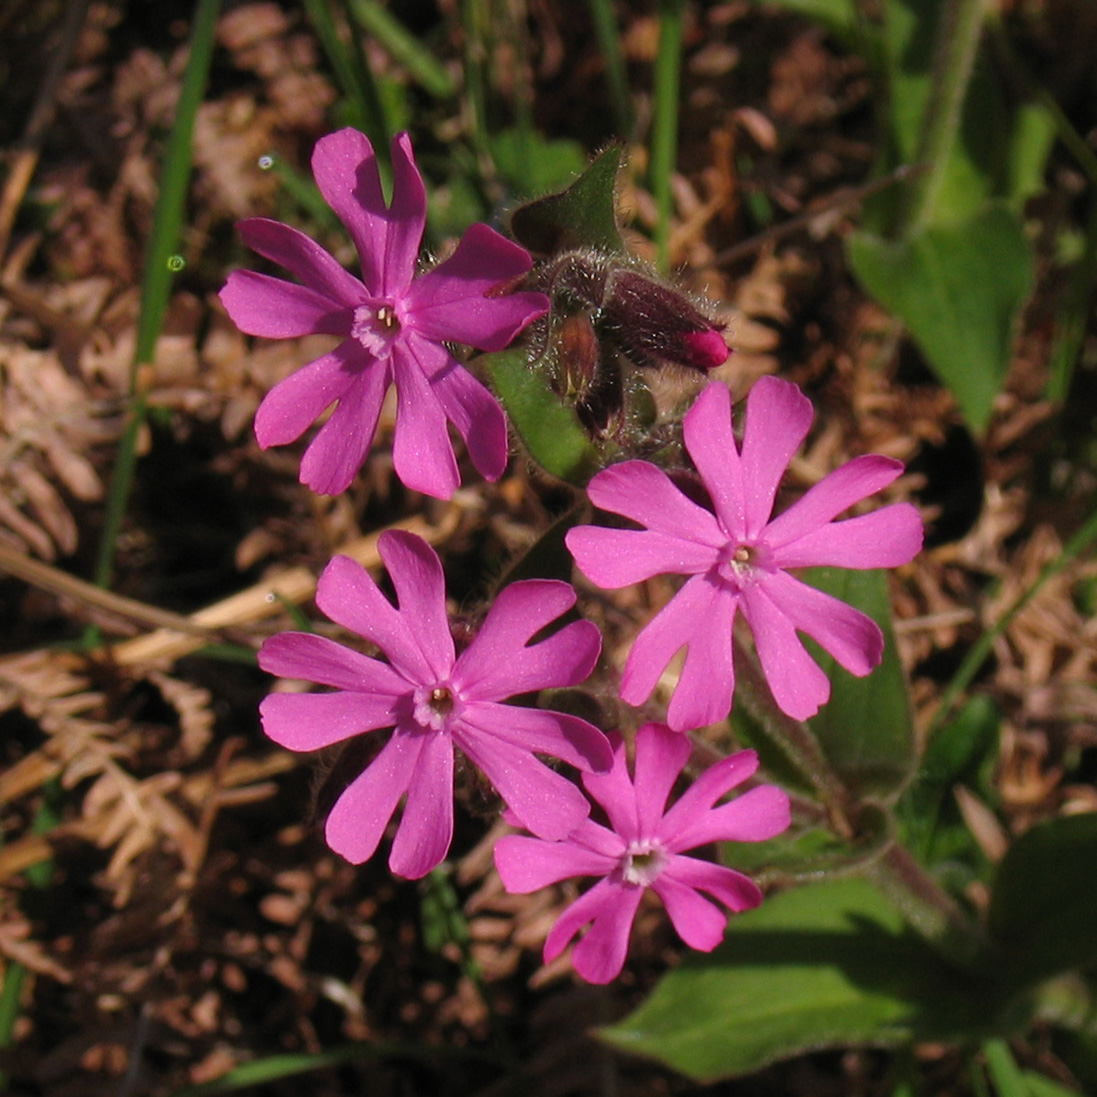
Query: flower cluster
[395,327]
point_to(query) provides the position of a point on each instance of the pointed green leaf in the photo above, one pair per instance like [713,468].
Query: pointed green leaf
[582,216]
[825,965]
[958,287]
[865,729]
[1044,902]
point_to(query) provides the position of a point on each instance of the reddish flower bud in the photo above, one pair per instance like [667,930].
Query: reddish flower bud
[655,323]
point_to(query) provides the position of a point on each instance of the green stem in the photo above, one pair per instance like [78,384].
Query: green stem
[928,909]
[353,75]
[404,47]
[609,41]
[664,126]
[954,60]
[167,230]
[793,737]
[1003,1070]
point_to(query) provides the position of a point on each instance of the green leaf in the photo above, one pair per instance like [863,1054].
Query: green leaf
[582,216]
[1038,1085]
[958,288]
[532,165]
[865,729]
[956,753]
[547,428]
[825,965]
[1042,909]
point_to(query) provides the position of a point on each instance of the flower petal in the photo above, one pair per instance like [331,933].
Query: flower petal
[556,734]
[547,802]
[318,659]
[416,574]
[600,955]
[736,891]
[501,662]
[699,616]
[277,309]
[795,679]
[387,238]
[339,450]
[646,494]
[885,538]
[303,258]
[661,754]
[472,409]
[296,403]
[614,558]
[422,452]
[758,815]
[426,827]
[529,864]
[698,922]
[615,792]
[695,803]
[854,481]
[853,638]
[453,302]
[358,820]
[779,416]
[348,595]
[311,721]
[706,430]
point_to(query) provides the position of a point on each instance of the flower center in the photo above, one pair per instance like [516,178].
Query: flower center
[738,563]
[375,325]
[433,706]
[642,862]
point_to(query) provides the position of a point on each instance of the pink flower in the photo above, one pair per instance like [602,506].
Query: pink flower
[394,327]
[644,849]
[737,557]
[436,700]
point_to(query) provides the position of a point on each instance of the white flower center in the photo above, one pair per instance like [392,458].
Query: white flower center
[642,862]
[375,325]
[433,706]
[739,563]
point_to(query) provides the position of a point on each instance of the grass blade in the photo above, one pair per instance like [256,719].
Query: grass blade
[664,127]
[404,47]
[167,229]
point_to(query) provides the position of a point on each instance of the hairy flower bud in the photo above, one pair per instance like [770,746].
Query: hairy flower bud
[655,323]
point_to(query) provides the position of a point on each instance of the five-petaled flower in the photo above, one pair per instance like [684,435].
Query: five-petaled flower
[644,848]
[436,700]
[737,557]
[394,327]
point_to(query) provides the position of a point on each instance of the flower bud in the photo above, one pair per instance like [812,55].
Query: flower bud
[587,372]
[655,324]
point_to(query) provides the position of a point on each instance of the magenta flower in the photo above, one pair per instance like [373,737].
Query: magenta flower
[644,849]
[394,327]
[436,700]
[737,557]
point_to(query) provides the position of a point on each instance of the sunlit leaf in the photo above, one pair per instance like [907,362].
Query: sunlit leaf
[958,288]
[825,965]
[583,216]
[865,729]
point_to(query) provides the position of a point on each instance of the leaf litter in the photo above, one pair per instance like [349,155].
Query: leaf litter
[195,919]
